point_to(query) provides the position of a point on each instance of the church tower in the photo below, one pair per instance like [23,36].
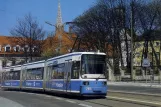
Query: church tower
[59,23]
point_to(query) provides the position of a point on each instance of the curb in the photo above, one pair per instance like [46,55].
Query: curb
[135,84]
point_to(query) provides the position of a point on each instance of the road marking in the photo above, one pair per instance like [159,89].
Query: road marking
[70,101]
[134,100]
[48,96]
[58,98]
[84,105]
[31,93]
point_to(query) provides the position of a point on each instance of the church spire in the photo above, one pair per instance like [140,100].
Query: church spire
[59,17]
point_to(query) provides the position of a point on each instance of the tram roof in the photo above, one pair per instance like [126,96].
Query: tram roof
[76,53]
[43,61]
[8,67]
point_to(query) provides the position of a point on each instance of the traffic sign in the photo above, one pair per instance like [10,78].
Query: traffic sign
[146,62]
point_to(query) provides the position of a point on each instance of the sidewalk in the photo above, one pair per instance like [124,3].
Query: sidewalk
[139,84]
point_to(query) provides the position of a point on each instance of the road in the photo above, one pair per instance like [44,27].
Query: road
[28,99]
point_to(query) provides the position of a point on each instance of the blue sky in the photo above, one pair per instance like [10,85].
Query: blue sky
[43,10]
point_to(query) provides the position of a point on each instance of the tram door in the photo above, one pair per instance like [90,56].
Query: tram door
[48,78]
[23,78]
[67,76]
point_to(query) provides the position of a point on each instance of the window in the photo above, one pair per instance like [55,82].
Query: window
[54,73]
[0,47]
[8,48]
[16,75]
[35,74]
[93,64]
[6,76]
[75,70]
[34,49]
[16,48]
[26,48]
[12,75]
[58,71]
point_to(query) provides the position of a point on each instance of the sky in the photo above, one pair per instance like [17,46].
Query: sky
[41,10]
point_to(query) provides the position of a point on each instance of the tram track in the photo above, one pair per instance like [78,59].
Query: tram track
[136,98]
[103,102]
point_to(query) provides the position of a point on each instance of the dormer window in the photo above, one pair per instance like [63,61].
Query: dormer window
[16,48]
[7,48]
[34,49]
[25,48]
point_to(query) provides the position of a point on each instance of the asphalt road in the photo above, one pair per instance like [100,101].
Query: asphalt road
[138,89]
[28,99]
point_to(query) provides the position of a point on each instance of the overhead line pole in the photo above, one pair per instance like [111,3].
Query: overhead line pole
[132,25]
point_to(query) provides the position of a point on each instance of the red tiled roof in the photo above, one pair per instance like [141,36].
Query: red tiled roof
[8,40]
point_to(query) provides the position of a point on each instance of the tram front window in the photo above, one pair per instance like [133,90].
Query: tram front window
[93,64]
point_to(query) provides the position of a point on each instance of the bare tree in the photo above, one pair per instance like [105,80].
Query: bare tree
[30,35]
[101,25]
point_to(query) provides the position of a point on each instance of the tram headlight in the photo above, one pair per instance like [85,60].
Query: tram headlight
[85,83]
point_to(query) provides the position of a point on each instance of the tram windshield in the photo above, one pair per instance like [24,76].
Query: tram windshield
[93,64]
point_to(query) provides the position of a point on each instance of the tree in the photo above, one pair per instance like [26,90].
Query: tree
[108,24]
[30,35]
[100,25]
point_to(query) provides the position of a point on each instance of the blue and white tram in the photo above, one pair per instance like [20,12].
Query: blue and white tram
[11,77]
[81,73]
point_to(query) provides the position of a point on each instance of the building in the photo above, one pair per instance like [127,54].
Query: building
[153,55]
[10,52]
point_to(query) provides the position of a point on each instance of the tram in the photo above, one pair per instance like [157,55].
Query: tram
[81,73]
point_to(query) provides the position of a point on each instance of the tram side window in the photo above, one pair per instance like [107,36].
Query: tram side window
[39,73]
[10,75]
[54,72]
[58,71]
[7,76]
[17,75]
[75,70]
[4,76]
[61,71]
[36,73]
[14,75]
[29,74]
